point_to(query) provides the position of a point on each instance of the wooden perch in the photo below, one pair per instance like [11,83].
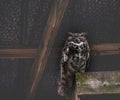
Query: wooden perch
[97,83]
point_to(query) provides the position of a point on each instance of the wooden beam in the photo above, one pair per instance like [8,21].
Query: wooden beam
[53,23]
[18,53]
[106,46]
[97,83]
[105,49]
[31,53]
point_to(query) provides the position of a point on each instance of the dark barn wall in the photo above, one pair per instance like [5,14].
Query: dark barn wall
[21,26]
[22,22]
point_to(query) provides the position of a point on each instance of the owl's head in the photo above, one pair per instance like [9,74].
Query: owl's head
[77,37]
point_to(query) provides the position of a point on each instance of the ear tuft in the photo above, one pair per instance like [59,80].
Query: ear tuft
[84,33]
[70,33]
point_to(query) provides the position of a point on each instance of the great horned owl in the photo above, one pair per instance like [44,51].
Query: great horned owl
[75,56]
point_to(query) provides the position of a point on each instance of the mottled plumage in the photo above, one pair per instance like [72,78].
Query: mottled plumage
[74,59]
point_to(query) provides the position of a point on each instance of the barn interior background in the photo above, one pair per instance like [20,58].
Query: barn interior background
[21,26]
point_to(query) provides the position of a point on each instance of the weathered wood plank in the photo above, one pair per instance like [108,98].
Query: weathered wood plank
[98,83]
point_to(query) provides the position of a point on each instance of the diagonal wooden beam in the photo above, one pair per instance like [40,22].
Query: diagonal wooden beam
[49,34]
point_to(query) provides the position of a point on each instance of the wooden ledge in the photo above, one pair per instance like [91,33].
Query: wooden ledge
[97,83]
